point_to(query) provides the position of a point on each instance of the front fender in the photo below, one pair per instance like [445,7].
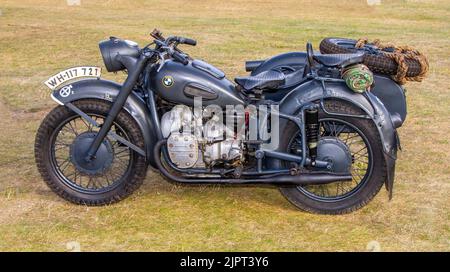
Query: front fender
[313,90]
[108,90]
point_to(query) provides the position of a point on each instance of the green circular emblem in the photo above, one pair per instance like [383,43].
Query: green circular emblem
[167,81]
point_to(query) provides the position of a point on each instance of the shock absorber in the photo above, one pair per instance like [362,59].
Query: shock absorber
[312,131]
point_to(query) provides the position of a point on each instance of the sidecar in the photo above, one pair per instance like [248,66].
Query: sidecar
[294,66]
[387,102]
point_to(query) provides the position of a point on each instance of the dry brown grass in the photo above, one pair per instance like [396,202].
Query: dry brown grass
[38,38]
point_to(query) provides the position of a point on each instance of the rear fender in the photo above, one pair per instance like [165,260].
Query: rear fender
[108,90]
[312,91]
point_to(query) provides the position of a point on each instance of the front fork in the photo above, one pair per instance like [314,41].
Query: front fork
[127,87]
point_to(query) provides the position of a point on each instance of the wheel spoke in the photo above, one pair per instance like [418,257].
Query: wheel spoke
[123,150]
[88,125]
[73,129]
[65,164]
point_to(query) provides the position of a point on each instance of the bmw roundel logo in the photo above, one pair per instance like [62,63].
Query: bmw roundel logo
[167,81]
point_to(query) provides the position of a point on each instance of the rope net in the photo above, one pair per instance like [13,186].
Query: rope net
[399,55]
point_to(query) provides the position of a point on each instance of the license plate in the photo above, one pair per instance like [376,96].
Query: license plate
[72,73]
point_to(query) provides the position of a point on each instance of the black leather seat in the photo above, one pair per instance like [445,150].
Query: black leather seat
[270,79]
[341,60]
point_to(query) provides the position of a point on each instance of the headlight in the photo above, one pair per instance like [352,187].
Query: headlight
[113,47]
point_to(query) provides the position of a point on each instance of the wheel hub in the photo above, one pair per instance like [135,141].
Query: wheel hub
[336,152]
[78,152]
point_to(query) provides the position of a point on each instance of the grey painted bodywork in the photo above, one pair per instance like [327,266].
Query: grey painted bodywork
[108,90]
[187,74]
[307,92]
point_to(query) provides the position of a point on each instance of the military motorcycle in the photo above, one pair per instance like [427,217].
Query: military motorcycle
[321,128]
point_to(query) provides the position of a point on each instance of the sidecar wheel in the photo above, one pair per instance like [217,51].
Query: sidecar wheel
[60,143]
[369,172]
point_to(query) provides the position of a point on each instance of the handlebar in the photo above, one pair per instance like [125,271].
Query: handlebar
[180,58]
[181,40]
[157,35]
[169,45]
[187,41]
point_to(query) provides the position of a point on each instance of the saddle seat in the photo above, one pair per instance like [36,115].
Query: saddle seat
[340,60]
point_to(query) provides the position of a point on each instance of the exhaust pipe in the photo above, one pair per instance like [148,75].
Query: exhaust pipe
[301,179]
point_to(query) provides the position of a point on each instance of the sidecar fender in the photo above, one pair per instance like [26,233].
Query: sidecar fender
[312,91]
[292,59]
[108,90]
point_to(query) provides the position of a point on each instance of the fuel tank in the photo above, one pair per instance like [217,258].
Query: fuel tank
[179,83]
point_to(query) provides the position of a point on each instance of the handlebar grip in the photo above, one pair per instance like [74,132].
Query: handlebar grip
[187,41]
[180,58]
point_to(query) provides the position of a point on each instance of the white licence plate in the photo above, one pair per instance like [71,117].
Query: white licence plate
[72,73]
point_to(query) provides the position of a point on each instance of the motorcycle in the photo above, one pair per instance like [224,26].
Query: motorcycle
[313,125]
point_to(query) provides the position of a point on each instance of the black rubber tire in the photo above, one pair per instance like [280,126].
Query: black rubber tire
[377,63]
[368,190]
[128,185]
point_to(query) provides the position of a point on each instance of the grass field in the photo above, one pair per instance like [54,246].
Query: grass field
[39,38]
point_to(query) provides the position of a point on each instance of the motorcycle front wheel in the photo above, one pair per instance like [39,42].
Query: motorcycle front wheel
[60,147]
[361,138]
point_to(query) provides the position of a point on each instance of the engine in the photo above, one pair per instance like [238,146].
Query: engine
[193,141]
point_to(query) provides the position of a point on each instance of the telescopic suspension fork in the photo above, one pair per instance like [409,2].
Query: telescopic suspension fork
[127,87]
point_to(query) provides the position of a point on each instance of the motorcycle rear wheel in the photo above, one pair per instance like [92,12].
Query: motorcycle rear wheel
[63,133]
[347,198]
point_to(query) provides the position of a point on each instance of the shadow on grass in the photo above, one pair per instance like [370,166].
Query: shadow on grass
[154,185]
